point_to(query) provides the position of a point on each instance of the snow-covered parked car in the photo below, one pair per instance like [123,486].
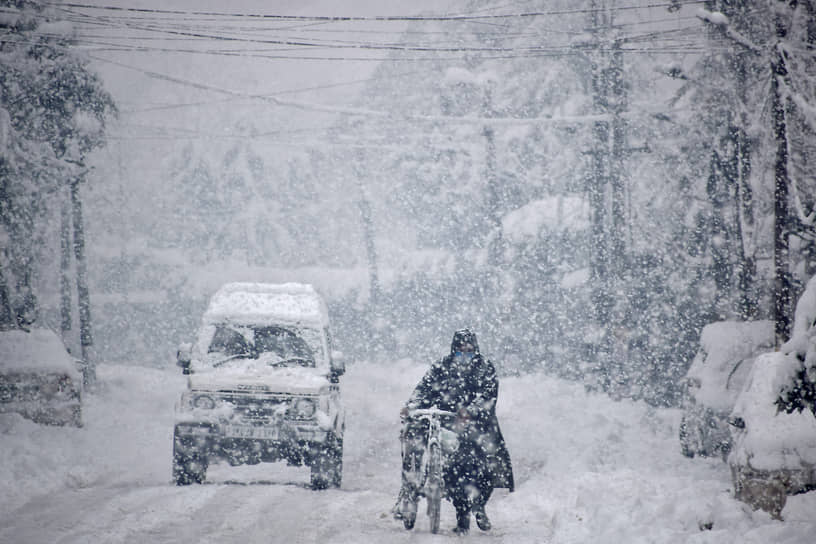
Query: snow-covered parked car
[39,379]
[774,452]
[714,380]
[263,385]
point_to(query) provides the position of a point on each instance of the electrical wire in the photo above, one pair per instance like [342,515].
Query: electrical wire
[513,51]
[400,18]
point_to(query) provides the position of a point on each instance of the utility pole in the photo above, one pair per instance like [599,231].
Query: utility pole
[617,106]
[492,180]
[607,196]
[599,178]
[371,250]
[364,205]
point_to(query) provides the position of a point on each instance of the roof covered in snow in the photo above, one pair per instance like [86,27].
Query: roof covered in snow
[39,350]
[553,214]
[267,303]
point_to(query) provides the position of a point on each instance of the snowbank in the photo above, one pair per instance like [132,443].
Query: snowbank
[126,439]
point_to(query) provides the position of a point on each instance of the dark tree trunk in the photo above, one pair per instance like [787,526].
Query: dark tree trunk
[83,294]
[782,281]
[7,320]
[65,268]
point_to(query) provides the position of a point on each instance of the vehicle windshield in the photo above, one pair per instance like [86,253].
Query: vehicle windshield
[275,346]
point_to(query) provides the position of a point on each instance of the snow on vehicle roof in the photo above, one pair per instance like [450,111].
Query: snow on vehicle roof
[39,350]
[773,439]
[267,303]
[725,344]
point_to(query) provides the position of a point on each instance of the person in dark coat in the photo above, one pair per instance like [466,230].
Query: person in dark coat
[465,383]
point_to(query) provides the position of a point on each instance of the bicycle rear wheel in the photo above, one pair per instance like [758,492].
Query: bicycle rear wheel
[434,487]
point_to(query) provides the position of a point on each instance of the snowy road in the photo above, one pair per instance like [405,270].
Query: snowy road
[587,470]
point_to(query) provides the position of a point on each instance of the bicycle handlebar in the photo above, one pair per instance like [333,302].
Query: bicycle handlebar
[429,412]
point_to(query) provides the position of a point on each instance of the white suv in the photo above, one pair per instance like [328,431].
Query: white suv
[263,385]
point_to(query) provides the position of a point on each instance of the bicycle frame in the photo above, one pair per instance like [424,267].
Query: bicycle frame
[430,484]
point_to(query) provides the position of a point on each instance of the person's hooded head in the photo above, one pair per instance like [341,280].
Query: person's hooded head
[464,340]
[463,348]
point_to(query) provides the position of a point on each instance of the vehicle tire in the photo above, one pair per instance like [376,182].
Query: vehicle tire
[407,508]
[434,487]
[188,469]
[684,438]
[76,417]
[327,466]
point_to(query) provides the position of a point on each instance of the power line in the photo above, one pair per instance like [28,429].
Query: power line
[480,121]
[514,51]
[347,18]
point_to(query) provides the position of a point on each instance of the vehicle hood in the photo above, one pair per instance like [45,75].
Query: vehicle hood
[294,380]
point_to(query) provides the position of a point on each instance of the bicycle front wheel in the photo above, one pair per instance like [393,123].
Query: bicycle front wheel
[434,486]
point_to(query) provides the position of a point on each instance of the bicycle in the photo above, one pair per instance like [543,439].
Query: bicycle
[440,442]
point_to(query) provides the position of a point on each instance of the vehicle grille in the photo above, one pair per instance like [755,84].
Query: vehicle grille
[258,409]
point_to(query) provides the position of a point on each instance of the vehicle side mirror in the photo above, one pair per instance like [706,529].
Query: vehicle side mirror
[337,366]
[184,357]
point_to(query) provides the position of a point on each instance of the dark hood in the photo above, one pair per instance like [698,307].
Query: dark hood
[462,337]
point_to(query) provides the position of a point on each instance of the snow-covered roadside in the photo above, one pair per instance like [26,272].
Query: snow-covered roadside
[588,469]
[591,469]
[126,439]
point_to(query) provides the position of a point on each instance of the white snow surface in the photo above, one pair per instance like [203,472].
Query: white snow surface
[557,213]
[588,469]
[803,334]
[772,439]
[723,345]
[39,350]
[249,372]
[264,303]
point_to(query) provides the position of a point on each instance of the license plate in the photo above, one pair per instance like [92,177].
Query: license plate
[249,431]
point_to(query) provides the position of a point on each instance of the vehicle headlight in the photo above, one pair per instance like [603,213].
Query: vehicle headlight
[303,408]
[49,388]
[204,402]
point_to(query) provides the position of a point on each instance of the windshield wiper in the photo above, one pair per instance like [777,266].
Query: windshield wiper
[301,361]
[231,357]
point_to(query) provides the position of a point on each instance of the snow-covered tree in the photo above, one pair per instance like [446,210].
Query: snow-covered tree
[761,55]
[52,114]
